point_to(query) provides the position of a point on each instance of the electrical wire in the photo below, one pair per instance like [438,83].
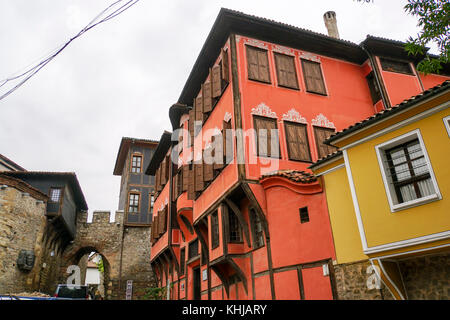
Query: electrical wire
[36,68]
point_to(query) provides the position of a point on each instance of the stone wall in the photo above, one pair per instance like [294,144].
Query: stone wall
[22,226]
[427,278]
[351,283]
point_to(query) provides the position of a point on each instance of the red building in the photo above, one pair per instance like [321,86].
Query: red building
[262,96]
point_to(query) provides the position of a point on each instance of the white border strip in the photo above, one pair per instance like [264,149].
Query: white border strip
[342,165]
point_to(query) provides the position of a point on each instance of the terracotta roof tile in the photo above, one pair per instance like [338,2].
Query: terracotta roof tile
[293,175]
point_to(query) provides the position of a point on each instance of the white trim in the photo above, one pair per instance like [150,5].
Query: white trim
[379,149]
[342,165]
[413,251]
[393,127]
[409,242]
[355,201]
[447,124]
[390,280]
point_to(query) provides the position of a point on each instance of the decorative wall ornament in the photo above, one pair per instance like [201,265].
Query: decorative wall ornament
[263,110]
[322,121]
[227,117]
[284,50]
[309,56]
[294,116]
[257,43]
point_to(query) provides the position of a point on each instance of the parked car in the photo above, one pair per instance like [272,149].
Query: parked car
[72,292]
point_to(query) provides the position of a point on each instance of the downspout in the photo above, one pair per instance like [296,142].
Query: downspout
[377,79]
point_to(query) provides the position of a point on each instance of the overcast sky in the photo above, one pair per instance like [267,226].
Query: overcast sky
[120,78]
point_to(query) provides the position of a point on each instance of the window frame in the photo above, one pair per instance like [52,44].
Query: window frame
[390,190]
[60,189]
[139,202]
[255,117]
[253,217]
[317,142]
[132,167]
[325,93]
[247,47]
[275,54]
[239,228]
[447,124]
[304,219]
[410,73]
[215,230]
[286,122]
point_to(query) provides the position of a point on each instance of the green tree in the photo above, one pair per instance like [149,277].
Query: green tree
[434,20]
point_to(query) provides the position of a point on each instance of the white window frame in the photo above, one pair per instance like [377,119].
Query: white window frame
[447,124]
[390,191]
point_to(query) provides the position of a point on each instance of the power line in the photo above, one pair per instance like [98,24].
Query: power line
[35,69]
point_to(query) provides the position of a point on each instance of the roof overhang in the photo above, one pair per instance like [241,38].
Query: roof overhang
[123,151]
[160,152]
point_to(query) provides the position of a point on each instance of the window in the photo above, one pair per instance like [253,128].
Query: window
[321,135]
[152,201]
[133,203]
[406,171]
[193,249]
[373,87]
[304,215]
[297,141]
[447,124]
[235,228]
[214,229]
[267,143]
[136,164]
[257,229]
[182,260]
[313,77]
[55,194]
[258,64]
[286,74]
[395,66]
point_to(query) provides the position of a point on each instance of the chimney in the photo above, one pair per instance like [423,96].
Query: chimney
[330,22]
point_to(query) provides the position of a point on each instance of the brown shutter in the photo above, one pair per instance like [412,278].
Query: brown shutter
[264,141]
[180,140]
[198,176]
[165,218]
[252,63]
[263,63]
[185,177]
[322,134]
[297,141]
[216,79]
[168,164]
[175,187]
[191,127]
[313,77]
[191,185]
[156,226]
[163,177]
[161,223]
[157,180]
[198,108]
[207,97]
[227,141]
[218,151]
[225,66]
[208,172]
[286,74]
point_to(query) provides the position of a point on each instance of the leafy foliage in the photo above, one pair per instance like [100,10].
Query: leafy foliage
[155,293]
[434,19]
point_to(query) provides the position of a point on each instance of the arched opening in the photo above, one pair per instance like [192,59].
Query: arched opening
[94,271]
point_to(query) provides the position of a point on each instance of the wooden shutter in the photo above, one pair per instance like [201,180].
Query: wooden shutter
[218,151]
[185,177]
[156,226]
[225,66]
[216,79]
[263,142]
[161,222]
[208,172]
[297,141]
[313,77]
[198,108]
[175,187]
[163,177]
[180,140]
[157,180]
[168,164]
[207,97]
[227,141]
[191,126]
[198,176]
[322,134]
[286,74]
[191,184]
[258,64]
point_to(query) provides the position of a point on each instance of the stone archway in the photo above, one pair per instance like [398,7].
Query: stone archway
[102,237]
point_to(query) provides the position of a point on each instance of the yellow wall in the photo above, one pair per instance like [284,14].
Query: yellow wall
[346,237]
[380,224]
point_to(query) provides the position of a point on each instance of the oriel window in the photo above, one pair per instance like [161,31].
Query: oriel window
[55,194]
[214,229]
[235,228]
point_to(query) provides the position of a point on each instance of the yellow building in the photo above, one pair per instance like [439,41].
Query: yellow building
[388,196]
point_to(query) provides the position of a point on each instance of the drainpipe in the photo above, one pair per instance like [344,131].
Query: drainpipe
[377,79]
